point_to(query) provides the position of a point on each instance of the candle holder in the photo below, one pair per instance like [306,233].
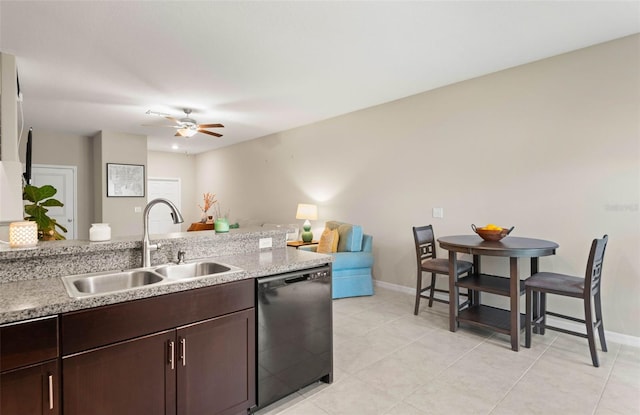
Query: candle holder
[23,234]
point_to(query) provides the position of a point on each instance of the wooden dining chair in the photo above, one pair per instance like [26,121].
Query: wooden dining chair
[587,289]
[427,262]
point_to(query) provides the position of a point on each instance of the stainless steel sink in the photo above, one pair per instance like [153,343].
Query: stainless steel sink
[194,270]
[101,283]
[107,283]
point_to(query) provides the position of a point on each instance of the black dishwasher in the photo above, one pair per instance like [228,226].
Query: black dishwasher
[295,339]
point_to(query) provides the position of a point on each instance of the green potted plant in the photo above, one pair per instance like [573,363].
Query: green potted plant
[41,198]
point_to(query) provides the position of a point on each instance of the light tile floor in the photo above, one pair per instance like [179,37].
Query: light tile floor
[389,362]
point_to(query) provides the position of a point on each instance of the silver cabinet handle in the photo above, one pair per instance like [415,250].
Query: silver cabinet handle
[50,391]
[183,344]
[172,352]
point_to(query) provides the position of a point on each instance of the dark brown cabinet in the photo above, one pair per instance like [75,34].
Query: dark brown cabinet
[127,378]
[29,378]
[216,365]
[30,391]
[203,362]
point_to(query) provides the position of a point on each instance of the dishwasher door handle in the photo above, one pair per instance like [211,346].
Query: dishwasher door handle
[293,280]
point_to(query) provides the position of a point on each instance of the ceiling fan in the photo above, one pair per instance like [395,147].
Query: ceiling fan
[187,126]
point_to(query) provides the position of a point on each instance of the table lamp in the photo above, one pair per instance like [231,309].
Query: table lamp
[307,212]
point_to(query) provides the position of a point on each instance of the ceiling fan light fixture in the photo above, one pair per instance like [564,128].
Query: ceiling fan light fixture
[186,127]
[187,132]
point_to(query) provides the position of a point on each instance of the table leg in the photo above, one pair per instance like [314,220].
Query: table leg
[535,294]
[514,293]
[477,270]
[453,291]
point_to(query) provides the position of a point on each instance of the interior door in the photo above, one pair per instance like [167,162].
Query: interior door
[63,178]
[160,216]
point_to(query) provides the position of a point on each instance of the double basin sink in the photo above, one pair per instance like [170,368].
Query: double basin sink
[86,285]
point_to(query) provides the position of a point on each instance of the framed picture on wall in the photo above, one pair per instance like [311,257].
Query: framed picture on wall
[125,180]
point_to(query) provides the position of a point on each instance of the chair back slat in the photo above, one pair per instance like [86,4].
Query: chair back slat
[593,275]
[425,243]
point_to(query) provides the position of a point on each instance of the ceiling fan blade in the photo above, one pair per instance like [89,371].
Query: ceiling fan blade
[169,117]
[178,134]
[165,126]
[209,132]
[210,125]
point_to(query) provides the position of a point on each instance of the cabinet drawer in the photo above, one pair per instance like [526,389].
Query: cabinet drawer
[88,329]
[29,342]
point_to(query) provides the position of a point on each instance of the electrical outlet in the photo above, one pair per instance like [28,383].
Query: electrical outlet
[265,243]
[438,212]
[137,209]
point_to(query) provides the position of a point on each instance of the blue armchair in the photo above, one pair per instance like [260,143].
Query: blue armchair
[352,263]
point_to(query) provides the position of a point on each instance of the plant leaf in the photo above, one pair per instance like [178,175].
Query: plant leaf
[37,194]
[61,227]
[29,193]
[35,210]
[46,192]
[52,202]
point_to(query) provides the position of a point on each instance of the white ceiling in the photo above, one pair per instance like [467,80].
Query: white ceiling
[264,67]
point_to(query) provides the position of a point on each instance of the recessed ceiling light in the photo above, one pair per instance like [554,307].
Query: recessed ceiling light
[175,147]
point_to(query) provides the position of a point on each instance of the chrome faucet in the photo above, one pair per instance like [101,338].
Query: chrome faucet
[147,246]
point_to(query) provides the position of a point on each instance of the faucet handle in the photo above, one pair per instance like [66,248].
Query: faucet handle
[181,255]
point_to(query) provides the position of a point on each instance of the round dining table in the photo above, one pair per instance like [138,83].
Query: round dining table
[505,321]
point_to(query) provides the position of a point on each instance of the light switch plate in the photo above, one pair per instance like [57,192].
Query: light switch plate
[438,212]
[137,209]
[265,243]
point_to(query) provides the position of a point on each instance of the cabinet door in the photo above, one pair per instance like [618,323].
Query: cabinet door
[31,391]
[129,378]
[216,365]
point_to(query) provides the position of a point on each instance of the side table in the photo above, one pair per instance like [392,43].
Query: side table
[298,244]
[198,226]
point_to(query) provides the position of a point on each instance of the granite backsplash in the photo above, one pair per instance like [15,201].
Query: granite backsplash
[60,258]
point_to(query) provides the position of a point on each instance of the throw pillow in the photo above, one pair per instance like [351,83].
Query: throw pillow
[336,240]
[328,241]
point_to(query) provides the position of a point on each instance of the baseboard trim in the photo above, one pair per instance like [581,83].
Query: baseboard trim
[610,335]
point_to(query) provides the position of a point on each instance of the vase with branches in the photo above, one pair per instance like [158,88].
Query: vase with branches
[209,202]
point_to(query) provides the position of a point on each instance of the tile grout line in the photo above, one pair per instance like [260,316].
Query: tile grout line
[523,375]
[309,398]
[400,347]
[606,382]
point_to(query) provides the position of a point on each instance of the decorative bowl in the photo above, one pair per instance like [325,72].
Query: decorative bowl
[490,234]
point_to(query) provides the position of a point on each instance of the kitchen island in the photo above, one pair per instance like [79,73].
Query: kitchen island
[141,339]
[30,283]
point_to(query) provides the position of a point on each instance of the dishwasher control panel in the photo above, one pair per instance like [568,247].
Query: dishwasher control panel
[319,274]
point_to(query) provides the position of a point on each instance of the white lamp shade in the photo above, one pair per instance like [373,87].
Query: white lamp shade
[23,234]
[306,211]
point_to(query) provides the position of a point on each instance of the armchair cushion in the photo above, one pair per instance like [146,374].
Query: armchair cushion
[350,239]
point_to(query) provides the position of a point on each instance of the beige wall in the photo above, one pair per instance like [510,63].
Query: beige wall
[552,148]
[182,166]
[119,212]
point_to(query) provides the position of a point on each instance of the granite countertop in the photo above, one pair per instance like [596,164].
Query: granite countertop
[22,300]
